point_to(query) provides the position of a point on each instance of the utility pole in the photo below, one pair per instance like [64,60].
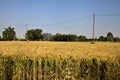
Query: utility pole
[26,32]
[93,28]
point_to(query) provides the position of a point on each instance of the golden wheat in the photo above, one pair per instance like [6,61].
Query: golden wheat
[36,60]
[65,49]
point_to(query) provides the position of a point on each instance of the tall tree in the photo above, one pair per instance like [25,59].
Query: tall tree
[29,34]
[37,34]
[110,36]
[34,34]
[9,34]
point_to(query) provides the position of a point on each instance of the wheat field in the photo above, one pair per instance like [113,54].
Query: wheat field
[42,60]
[65,49]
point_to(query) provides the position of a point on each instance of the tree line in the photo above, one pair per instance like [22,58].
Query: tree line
[9,34]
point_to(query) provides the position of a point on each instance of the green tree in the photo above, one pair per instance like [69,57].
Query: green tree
[34,34]
[72,37]
[37,34]
[82,38]
[9,34]
[105,39]
[0,37]
[116,39]
[65,37]
[29,34]
[110,36]
[58,37]
[101,38]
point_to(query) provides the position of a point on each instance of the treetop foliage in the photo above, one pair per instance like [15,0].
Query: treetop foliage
[34,34]
[9,34]
[37,34]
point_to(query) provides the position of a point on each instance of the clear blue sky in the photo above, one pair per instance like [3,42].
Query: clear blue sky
[17,13]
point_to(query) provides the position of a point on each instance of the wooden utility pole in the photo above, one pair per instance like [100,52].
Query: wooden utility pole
[26,32]
[93,28]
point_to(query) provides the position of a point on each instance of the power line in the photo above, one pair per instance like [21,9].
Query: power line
[69,21]
[108,15]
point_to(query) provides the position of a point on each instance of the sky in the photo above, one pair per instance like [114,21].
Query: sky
[39,13]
